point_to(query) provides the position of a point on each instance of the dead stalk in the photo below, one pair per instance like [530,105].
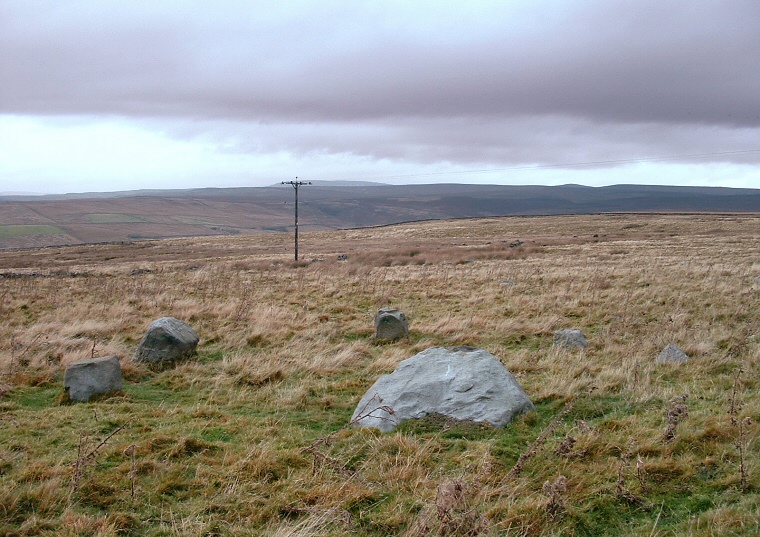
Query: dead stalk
[534,447]
[741,447]
[132,452]
[739,426]
[621,491]
[675,414]
[734,407]
[555,507]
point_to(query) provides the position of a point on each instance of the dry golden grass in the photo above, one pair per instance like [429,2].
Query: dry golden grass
[249,437]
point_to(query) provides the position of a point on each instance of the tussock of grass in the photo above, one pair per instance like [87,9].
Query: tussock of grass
[250,436]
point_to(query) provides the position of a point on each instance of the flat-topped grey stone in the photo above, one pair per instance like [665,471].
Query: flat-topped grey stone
[87,378]
[463,383]
[166,340]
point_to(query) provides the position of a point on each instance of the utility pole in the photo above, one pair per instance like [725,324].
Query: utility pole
[296,184]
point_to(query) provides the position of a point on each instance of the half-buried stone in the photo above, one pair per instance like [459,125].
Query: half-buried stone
[167,339]
[462,383]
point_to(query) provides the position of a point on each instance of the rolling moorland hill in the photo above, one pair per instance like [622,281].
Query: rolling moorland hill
[33,221]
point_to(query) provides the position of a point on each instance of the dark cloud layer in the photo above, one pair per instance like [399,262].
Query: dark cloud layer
[423,81]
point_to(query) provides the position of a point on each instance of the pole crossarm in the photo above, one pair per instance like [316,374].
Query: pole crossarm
[295,185]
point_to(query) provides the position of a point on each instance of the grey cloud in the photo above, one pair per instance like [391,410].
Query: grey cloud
[640,61]
[524,82]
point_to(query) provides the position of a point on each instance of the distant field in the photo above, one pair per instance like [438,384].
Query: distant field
[11,231]
[114,218]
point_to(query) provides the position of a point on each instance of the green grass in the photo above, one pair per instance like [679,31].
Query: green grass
[35,398]
[10,231]
[194,220]
[207,450]
[114,218]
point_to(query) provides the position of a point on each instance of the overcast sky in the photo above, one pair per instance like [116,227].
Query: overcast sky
[105,96]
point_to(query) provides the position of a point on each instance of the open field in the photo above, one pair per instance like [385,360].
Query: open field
[250,436]
[26,230]
[33,235]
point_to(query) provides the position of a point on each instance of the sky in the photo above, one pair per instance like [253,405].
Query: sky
[100,96]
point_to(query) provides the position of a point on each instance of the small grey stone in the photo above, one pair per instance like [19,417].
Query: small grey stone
[167,339]
[96,376]
[672,354]
[391,324]
[462,383]
[570,339]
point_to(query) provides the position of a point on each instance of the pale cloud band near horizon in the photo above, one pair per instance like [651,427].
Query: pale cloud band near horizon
[117,96]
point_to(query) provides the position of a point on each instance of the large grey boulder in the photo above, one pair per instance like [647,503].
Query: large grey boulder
[672,354]
[97,376]
[166,340]
[461,383]
[570,339]
[391,324]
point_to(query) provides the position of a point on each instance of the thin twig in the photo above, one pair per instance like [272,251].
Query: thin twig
[95,450]
[323,458]
[84,460]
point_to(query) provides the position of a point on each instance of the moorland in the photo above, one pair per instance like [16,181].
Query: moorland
[251,435]
[54,220]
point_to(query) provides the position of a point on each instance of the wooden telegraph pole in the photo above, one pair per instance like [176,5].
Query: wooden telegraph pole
[296,184]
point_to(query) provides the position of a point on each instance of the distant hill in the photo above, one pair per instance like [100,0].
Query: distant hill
[30,221]
[340,183]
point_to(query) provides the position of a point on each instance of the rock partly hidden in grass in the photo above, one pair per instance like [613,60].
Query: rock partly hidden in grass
[166,340]
[463,383]
[391,324]
[672,354]
[87,378]
[570,339]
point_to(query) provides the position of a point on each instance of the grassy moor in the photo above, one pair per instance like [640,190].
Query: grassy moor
[58,220]
[251,435]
